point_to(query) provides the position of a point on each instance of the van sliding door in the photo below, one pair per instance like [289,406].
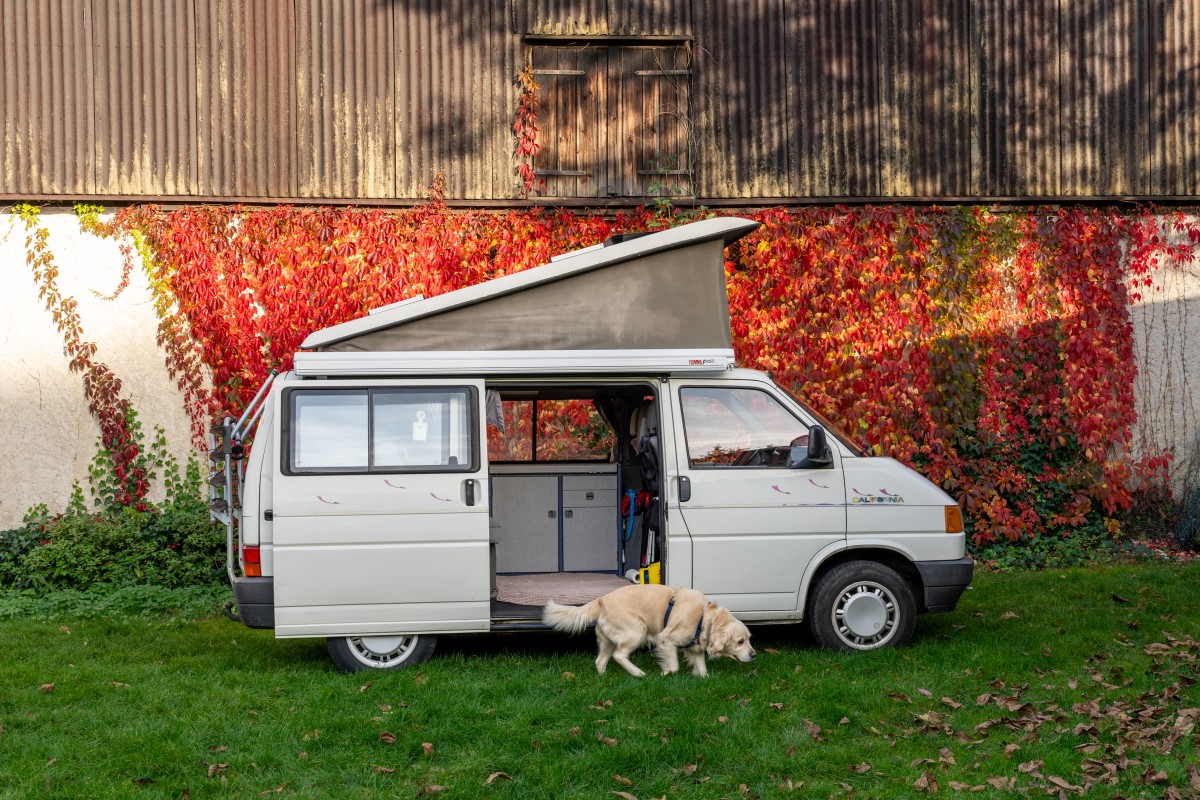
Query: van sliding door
[381,509]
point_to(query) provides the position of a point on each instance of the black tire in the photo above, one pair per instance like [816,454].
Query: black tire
[358,653]
[860,606]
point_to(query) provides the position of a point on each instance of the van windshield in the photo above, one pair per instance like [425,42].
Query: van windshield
[833,428]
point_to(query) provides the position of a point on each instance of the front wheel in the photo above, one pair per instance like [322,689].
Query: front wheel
[357,653]
[862,605]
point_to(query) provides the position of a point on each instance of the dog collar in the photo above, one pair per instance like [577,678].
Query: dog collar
[699,624]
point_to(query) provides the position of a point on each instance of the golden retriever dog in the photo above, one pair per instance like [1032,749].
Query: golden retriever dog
[670,618]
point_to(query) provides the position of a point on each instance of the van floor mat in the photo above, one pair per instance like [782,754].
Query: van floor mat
[568,588]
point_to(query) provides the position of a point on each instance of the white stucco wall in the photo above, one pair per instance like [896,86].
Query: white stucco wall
[1166,327]
[49,436]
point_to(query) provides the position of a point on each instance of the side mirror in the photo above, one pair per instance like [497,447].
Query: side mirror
[811,451]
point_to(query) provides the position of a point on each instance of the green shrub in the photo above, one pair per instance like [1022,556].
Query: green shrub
[1078,549]
[170,544]
[172,547]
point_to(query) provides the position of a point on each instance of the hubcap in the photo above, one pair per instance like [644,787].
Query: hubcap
[382,651]
[865,615]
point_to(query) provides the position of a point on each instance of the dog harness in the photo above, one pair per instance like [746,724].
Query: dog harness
[699,624]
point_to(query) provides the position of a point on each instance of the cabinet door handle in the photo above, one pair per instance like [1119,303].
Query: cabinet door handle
[569,514]
[551,514]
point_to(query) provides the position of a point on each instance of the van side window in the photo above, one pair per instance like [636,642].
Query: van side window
[380,430]
[730,427]
[550,430]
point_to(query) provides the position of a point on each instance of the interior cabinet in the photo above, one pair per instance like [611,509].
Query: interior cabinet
[556,522]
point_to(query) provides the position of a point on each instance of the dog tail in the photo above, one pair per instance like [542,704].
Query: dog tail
[570,619]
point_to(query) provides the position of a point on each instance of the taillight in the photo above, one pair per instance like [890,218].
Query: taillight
[251,562]
[954,523]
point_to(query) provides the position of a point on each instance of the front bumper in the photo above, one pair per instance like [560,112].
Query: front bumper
[944,582]
[255,599]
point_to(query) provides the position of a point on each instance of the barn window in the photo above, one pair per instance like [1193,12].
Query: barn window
[614,118]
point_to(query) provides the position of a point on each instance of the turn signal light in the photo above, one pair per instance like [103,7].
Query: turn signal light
[954,523]
[251,562]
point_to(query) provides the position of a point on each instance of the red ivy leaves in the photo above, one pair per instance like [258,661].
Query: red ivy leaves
[960,341]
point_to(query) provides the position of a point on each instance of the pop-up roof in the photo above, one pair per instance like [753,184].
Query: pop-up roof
[662,290]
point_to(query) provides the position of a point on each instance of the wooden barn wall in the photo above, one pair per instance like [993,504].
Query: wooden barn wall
[369,99]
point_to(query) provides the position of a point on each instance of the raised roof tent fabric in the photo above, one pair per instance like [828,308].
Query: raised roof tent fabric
[662,291]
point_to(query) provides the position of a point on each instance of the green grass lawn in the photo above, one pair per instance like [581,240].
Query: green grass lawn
[1040,684]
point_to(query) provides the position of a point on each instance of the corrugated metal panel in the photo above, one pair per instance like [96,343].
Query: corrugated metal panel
[45,97]
[245,98]
[837,86]
[603,18]
[456,97]
[1104,97]
[926,141]
[742,100]
[345,90]
[144,96]
[1018,103]
[1175,96]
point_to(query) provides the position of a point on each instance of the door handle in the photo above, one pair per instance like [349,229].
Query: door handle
[470,486]
[685,488]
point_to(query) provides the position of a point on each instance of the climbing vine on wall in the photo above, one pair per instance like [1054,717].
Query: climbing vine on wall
[993,351]
[525,129]
[101,387]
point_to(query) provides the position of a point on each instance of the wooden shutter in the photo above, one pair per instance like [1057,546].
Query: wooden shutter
[613,120]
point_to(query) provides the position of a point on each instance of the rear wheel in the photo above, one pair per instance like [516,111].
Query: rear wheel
[357,653]
[862,605]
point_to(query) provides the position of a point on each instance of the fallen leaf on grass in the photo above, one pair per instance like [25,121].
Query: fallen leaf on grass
[1009,749]
[1009,615]
[624,795]
[959,786]
[378,770]
[46,688]
[600,737]
[1118,599]
[1002,783]
[277,790]
[364,687]
[387,737]
[216,769]
[621,780]
[722,720]
[926,783]
[947,701]
[900,697]
[777,706]
[814,730]
[427,747]
[495,776]
[862,768]
[432,788]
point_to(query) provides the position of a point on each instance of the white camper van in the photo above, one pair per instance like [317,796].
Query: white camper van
[446,465]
